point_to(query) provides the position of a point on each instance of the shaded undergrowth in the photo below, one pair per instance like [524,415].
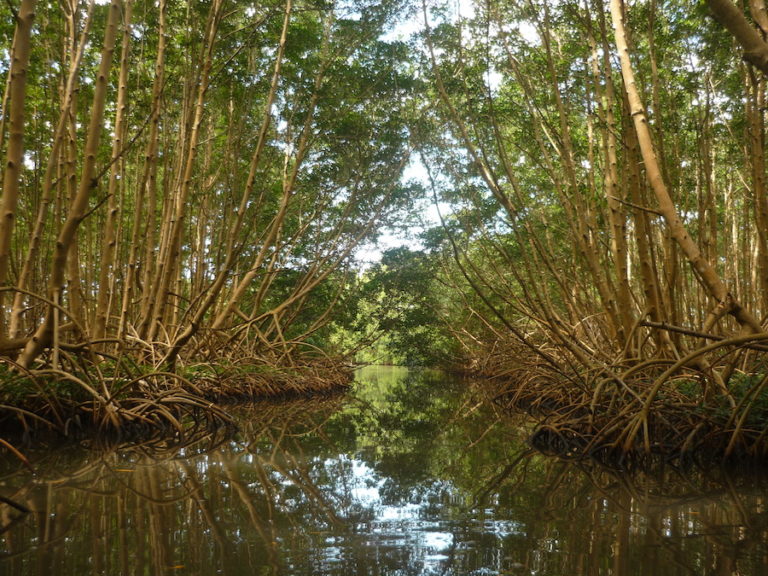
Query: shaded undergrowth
[118,399]
[639,412]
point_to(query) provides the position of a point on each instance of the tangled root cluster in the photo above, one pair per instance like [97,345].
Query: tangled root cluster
[669,409]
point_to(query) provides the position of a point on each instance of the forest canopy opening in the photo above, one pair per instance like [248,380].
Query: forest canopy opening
[185,186]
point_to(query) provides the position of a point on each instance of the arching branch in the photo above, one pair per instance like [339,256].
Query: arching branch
[734,20]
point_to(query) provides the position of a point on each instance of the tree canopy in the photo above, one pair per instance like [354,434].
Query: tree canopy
[190,181]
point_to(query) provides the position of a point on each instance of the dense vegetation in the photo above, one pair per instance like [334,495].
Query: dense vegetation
[186,185]
[605,170]
[184,188]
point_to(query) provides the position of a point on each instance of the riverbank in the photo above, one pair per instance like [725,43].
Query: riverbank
[412,472]
[125,400]
[636,412]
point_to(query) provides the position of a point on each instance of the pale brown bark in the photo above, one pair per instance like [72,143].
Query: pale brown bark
[734,20]
[20,55]
[73,298]
[76,48]
[654,304]
[169,256]
[4,106]
[109,240]
[708,214]
[617,217]
[583,217]
[759,14]
[710,280]
[292,163]
[528,273]
[755,103]
[672,286]
[224,271]
[542,130]
[45,333]
[323,266]
[146,193]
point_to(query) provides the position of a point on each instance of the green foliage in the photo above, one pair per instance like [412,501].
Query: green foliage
[335,142]
[403,305]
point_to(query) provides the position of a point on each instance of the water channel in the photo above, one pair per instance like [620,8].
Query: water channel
[412,473]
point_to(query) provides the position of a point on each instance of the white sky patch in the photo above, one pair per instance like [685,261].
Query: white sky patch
[494,78]
[415,24]
[529,33]
[429,217]
[404,30]
[429,213]
[371,252]
[465,8]
[415,170]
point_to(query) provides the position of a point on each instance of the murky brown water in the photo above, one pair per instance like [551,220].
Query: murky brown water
[411,474]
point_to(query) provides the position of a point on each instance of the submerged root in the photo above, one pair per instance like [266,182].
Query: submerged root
[120,399]
[673,410]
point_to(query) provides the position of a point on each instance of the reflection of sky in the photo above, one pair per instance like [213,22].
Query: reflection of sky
[401,524]
[349,498]
[395,510]
[412,533]
[365,492]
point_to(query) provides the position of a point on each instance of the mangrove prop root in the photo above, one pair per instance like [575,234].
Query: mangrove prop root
[655,409]
[127,400]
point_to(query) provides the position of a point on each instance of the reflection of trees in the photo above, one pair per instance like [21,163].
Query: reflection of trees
[568,517]
[288,497]
[582,519]
[124,512]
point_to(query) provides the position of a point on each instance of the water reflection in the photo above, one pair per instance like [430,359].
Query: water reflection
[413,474]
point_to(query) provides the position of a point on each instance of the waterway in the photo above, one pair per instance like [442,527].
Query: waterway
[412,473]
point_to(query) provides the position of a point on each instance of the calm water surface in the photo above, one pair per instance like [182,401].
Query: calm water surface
[412,474]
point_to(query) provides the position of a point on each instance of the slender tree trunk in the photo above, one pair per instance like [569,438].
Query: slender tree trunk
[583,217]
[146,192]
[654,303]
[20,55]
[755,104]
[169,259]
[74,297]
[716,288]
[109,240]
[215,289]
[673,288]
[44,335]
[58,147]
[707,202]
[733,19]
[617,217]
[291,169]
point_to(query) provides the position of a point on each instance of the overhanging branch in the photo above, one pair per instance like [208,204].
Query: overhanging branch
[734,20]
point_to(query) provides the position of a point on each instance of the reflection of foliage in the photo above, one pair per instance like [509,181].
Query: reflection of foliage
[414,475]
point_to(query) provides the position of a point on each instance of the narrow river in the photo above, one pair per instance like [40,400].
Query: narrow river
[411,474]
